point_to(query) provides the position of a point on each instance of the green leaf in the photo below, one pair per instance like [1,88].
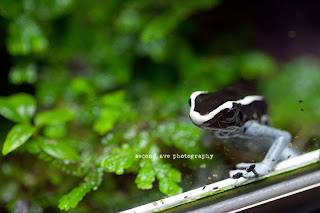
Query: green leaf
[128,20]
[19,107]
[55,131]
[161,170]
[106,121]
[115,99]
[183,136]
[146,176]
[174,175]
[159,27]
[53,117]
[164,171]
[168,178]
[91,181]
[115,109]
[59,150]
[81,86]
[118,162]
[25,37]
[169,188]
[74,197]
[17,136]
[26,73]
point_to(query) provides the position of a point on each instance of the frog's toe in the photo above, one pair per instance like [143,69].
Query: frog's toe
[236,174]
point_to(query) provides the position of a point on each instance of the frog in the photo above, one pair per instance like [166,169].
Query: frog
[234,113]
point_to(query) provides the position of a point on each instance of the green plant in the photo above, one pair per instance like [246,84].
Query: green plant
[110,81]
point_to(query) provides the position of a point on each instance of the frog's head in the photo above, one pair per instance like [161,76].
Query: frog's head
[208,109]
[224,108]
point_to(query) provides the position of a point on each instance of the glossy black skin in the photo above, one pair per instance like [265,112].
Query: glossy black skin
[236,116]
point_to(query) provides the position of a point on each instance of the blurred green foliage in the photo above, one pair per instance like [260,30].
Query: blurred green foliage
[111,81]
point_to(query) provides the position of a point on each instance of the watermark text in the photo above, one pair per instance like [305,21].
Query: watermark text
[176,156]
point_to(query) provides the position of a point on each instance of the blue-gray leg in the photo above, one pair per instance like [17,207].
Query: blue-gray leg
[281,141]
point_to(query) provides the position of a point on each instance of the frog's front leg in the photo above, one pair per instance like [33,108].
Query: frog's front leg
[281,140]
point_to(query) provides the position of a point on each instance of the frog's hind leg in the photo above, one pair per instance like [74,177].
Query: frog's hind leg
[281,140]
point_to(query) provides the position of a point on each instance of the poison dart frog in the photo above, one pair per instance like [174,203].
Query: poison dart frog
[232,113]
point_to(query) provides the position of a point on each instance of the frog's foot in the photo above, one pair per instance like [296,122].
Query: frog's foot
[250,170]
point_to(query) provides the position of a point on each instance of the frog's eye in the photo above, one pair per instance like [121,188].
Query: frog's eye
[231,115]
[189,101]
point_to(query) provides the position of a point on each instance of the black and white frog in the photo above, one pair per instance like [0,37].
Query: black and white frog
[234,113]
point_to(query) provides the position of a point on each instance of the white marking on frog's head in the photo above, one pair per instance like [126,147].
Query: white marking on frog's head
[194,115]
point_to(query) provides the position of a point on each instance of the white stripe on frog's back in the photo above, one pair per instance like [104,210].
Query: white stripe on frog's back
[199,119]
